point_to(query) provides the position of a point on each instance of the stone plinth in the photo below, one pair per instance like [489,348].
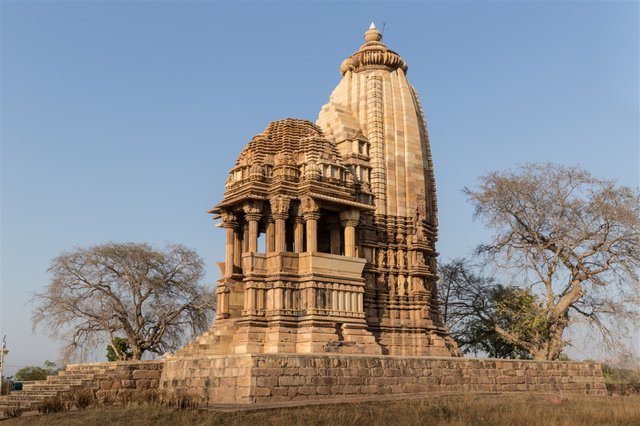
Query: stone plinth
[270,378]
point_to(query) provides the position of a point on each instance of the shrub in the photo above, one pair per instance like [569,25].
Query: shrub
[441,411]
[82,398]
[13,412]
[620,375]
[51,405]
[181,401]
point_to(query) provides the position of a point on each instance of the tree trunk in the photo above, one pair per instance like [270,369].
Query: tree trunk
[136,352]
[552,347]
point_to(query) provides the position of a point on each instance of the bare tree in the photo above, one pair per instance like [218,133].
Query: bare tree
[99,294]
[571,238]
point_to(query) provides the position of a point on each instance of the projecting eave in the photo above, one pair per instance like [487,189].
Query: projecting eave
[342,201]
[234,201]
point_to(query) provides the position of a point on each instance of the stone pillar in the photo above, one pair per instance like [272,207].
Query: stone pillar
[245,237]
[237,249]
[277,298]
[247,299]
[271,235]
[311,213]
[222,301]
[253,234]
[350,220]
[229,222]
[259,299]
[298,234]
[280,234]
[350,238]
[334,300]
[280,212]
[252,213]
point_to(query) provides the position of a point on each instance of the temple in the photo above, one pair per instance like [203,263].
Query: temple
[331,227]
[329,288]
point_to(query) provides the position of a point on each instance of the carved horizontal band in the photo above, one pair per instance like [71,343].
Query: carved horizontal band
[365,58]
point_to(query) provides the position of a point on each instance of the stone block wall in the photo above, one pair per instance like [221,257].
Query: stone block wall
[119,381]
[265,378]
[211,379]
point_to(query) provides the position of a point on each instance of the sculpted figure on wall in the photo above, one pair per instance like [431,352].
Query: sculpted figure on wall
[382,258]
[401,259]
[391,258]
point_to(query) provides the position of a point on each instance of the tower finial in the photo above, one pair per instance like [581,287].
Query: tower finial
[372,33]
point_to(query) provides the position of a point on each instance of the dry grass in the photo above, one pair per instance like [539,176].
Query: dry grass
[477,410]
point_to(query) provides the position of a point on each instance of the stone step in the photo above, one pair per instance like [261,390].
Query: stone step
[37,392]
[58,384]
[74,381]
[78,375]
[61,380]
[83,367]
[57,388]
[73,377]
[27,406]
[84,371]
[28,398]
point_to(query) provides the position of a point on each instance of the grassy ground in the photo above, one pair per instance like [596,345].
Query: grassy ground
[477,410]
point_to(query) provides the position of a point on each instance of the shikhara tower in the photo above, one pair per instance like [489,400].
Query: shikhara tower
[331,227]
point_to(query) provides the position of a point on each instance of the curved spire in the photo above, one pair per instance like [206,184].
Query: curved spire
[373,54]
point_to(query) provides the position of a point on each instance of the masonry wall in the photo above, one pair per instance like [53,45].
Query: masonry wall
[119,381]
[264,378]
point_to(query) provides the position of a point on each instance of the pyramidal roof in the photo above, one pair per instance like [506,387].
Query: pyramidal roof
[297,139]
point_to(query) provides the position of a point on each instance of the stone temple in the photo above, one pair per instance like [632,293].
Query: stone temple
[329,282]
[329,286]
[331,227]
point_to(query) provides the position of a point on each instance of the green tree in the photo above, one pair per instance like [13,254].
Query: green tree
[119,350]
[36,373]
[474,304]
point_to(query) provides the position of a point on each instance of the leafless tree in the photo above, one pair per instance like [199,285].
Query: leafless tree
[152,298]
[571,238]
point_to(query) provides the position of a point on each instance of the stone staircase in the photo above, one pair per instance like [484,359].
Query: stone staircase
[215,341]
[75,376]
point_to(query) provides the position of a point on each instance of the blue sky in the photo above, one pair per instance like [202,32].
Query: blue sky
[119,120]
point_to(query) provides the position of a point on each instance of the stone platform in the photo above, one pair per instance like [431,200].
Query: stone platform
[275,378]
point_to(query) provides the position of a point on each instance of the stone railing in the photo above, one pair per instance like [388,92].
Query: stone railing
[324,264]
